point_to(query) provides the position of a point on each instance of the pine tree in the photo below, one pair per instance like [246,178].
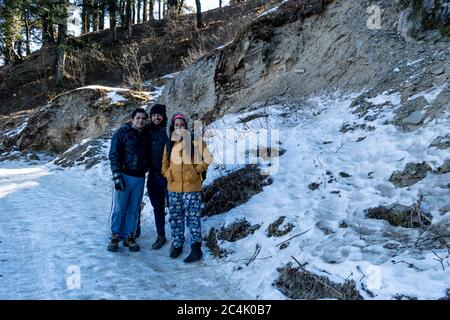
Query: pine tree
[10,29]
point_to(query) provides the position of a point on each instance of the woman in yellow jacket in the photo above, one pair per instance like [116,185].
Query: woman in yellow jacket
[183,163]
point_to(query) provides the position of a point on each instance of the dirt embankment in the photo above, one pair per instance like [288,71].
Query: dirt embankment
[155,48]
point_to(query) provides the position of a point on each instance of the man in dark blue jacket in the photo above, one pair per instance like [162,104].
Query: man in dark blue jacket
[156,182]
[129,157]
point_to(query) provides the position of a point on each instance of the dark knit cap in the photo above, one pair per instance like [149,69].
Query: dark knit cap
[159,109]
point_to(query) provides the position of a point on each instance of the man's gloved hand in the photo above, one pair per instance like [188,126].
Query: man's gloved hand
[119,183]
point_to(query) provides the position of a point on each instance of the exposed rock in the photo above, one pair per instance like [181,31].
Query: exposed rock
[237,230]
[314,186]
[87,153]
[447,295]
[360,139]
[298,283]
[363,107]
[411,113]
[441,142]
[413,173]
[445,168]
[403,297]
[400,215]
[344,175]
[233,190]
[352,127]
[72,117]
[274,228]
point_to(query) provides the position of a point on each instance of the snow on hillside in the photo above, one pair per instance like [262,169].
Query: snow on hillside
[314,145]
[54,222]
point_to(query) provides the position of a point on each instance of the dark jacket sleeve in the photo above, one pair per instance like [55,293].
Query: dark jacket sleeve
[116,152]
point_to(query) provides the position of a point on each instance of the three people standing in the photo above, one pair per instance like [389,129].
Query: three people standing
[176,165]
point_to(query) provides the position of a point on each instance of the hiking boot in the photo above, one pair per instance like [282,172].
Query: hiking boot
[175,252]
[160,241]
[113,245]
[196,253]
[130,242]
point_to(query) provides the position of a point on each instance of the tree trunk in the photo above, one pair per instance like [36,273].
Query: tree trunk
[47,31]
[123,18]
[133,6]
[151,9]
[27,32]
[18,46]
[128,18]
[199,14]
[112,8]
[86,16]
[61,42]
[101,24]
[159,10]
[144,11]
[139,5]
[95,15]
[180,6]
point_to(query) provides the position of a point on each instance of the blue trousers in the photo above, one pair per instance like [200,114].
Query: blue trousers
[185,206]
[126,206]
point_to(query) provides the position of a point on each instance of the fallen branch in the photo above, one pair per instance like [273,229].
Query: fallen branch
[297,235]
[339,147]
[410,265]
[255,254]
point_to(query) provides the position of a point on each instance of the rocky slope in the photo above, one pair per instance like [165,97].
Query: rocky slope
[305,48]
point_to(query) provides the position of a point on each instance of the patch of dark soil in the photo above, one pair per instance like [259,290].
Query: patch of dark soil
[237,230]
[274,228]
[230,191]
[213,246]
[400,215]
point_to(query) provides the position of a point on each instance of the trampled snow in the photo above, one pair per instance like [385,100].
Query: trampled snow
[54,221]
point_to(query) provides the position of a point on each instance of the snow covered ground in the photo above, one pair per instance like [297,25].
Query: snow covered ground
[54,221]
[54,228]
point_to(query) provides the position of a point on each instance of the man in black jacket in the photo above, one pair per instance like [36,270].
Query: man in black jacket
[129,157]
[156,183]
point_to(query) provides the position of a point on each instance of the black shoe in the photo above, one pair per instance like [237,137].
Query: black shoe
[175,252]
[113,245]
[160,241]
[130,242]
[196,253]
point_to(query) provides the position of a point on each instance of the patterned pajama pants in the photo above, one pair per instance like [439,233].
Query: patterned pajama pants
[185,205]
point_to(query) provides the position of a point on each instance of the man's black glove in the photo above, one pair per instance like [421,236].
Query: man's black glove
[119,184]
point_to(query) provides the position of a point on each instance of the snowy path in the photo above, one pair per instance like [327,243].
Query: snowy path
[52,220]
